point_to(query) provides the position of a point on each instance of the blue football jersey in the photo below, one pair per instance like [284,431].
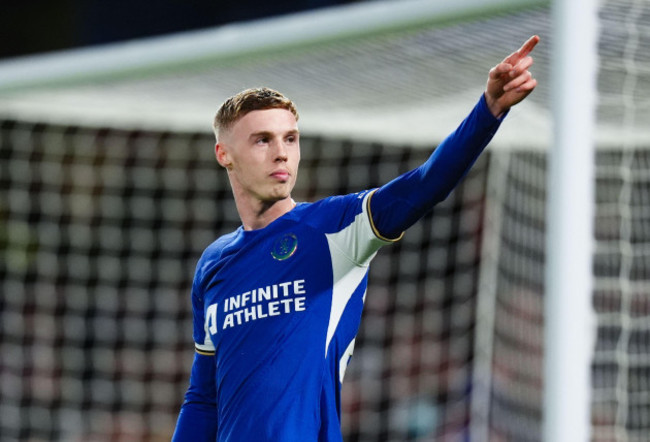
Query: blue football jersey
[279,308]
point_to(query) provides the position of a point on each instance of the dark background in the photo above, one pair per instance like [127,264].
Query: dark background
[34,26]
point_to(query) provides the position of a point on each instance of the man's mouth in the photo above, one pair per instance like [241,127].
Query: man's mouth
[281,175]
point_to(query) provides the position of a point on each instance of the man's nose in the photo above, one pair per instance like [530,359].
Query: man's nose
[280,151]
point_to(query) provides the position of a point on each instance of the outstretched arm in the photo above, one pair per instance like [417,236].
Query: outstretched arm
[397,205]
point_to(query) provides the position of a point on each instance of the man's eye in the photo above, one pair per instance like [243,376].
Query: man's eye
[262,140]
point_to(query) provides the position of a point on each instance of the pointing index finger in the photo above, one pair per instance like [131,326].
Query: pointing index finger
[524,50]
[527,47]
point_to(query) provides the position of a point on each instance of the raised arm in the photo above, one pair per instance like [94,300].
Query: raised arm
[397,205]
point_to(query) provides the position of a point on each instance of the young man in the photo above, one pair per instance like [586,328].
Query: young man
[277,303]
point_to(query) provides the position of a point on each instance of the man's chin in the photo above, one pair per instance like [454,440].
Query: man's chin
[281,194]
[278,198]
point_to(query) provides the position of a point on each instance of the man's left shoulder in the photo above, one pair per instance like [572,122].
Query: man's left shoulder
[342,202]
[332,213]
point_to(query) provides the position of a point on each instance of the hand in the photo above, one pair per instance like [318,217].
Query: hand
[510,81]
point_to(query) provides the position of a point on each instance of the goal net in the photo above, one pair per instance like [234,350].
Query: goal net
[110,192]
[509,386]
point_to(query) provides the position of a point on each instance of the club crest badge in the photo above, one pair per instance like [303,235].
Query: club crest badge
[284,247]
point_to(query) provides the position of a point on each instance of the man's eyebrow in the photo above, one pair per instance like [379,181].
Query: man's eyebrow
[266,133]
[263,133]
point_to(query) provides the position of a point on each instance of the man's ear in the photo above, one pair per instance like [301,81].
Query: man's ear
[223,158]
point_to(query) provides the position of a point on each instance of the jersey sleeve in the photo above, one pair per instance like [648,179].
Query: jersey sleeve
[397,205]
[197,420]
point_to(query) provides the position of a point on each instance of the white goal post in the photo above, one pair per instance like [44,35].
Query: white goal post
[569,319]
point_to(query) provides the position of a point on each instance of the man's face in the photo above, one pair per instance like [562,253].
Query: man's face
[262,151]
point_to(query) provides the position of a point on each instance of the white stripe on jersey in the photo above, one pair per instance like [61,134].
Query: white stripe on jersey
[351,251]
[345,360]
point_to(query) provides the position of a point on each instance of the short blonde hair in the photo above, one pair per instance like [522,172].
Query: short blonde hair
[247,101]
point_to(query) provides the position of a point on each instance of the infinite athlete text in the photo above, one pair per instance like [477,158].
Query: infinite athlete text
[259,303]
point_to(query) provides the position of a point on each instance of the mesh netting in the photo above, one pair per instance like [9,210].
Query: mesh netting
[621,270]
[99,234]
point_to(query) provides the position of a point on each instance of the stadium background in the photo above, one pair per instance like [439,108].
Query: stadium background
[101,224]
[96,319]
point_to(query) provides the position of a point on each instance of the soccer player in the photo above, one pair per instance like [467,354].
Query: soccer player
[277,303]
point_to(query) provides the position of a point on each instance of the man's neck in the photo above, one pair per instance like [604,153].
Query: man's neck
[257,215]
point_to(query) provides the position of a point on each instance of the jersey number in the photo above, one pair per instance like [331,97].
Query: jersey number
[211,319]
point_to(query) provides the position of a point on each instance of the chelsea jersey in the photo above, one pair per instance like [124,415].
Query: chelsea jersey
[279,309]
